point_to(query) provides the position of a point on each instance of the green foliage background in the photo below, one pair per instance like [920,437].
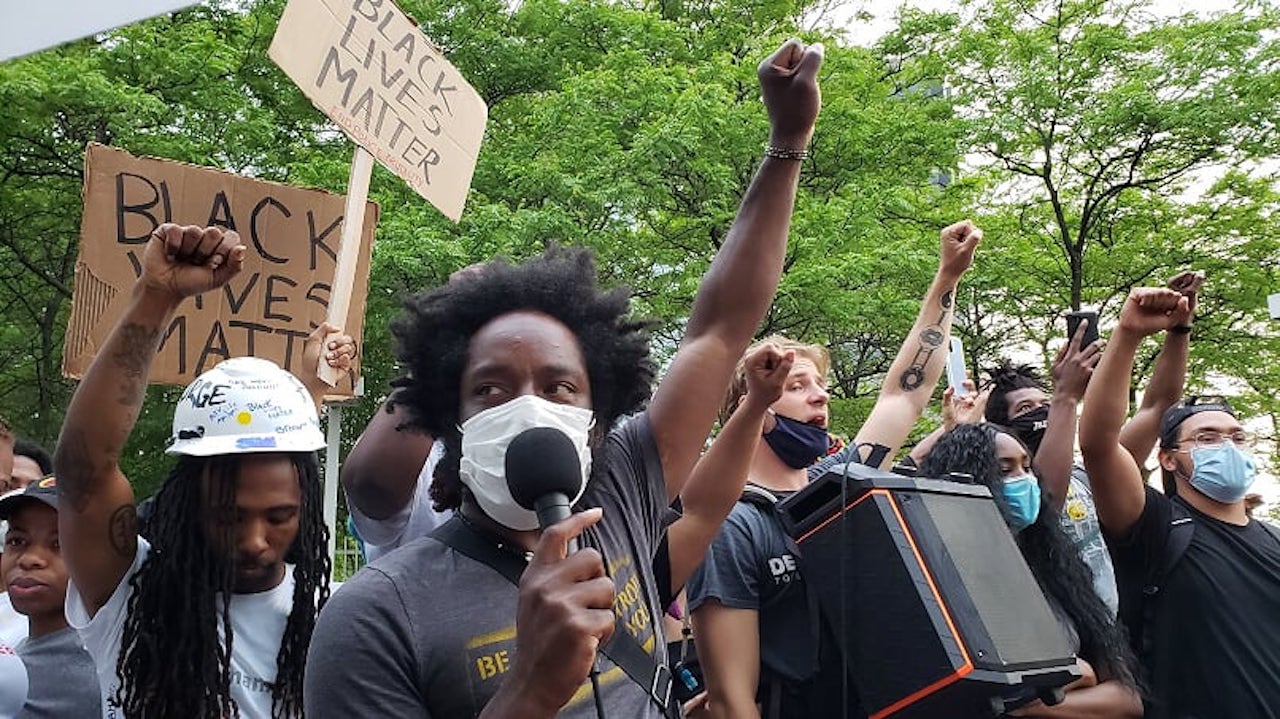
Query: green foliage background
[1099,145]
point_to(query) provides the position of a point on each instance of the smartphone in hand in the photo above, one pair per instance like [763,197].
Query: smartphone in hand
[1090,332]
[955,367]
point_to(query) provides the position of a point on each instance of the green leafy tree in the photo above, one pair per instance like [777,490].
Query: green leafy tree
[1117,147]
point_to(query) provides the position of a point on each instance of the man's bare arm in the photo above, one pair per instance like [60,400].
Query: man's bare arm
[1114,477]
[1140,433]
[739,286]
[919,363]
[720,476]
[97,520]
[380,475]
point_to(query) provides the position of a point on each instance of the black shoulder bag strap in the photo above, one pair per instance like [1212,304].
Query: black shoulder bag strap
[767,501]
[1181,528]
[622,649]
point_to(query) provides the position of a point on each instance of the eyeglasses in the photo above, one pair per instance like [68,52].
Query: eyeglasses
[1211,439]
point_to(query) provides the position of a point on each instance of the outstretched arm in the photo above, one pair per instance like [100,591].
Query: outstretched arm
[97,522]
[919,363]
[1071,372]
[719,477]
[1140,433]
[381,472]
[737,289]
[1113,473]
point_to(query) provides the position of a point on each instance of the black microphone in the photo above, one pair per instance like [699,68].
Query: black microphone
[544,474]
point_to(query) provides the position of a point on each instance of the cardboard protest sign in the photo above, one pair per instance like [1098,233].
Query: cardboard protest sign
[29,27]
[266,311]
[366,65]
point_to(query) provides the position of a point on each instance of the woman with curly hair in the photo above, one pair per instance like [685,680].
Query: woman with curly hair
[998,460]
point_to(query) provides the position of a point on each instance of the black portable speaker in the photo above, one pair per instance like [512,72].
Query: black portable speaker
[926,596]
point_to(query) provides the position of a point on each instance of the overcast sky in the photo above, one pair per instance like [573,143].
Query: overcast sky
[864,32]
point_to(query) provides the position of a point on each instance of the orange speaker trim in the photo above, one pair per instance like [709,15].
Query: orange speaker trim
[964,669]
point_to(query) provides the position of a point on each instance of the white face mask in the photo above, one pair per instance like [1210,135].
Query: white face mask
[485,438]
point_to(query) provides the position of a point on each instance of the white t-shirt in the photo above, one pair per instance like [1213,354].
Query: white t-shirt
[257,622]
[13,682]
[13,626]
[417,519]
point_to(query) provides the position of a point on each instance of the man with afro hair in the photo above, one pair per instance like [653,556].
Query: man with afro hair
[431,631]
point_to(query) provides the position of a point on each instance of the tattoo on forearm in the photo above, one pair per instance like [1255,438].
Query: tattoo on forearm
[137,346]
[73,466]
[931,339]
[123,528]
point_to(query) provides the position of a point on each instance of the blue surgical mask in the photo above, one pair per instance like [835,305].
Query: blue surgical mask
[1022,497]
[1223,473]
[797,444]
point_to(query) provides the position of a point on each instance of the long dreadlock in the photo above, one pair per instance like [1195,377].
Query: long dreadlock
[1053,559]
[1005,378]
[171,660]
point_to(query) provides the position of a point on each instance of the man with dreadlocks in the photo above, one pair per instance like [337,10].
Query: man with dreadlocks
[429,630]
[1020,400]
[206,619]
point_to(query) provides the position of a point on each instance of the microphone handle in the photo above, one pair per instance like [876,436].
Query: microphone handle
[553,508]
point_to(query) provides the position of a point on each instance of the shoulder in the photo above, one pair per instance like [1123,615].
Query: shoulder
[749,528]
[408,561]
[632,437]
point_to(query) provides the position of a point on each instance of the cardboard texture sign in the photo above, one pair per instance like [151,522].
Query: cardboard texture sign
[266,311]
[366,65]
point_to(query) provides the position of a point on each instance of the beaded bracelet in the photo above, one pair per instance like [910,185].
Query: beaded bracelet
[785,153]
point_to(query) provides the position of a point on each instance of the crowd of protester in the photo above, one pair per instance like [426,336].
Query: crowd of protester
[674,567]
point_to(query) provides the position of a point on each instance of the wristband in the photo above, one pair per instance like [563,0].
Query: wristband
[785,153]
[1180,329]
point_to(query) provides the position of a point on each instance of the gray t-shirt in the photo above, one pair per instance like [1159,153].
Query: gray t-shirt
[750,566]
[429,632]
[1080,521]
[63,683]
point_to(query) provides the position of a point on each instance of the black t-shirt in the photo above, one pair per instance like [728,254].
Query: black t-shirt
[1215,630]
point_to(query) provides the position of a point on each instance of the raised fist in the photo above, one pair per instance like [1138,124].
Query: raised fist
[1149,310]
[767,369]
[789,85]
[958,244]
[1188,284]
[184,261]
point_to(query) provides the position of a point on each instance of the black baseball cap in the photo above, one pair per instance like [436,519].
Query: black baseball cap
[1179,412]
[45,490]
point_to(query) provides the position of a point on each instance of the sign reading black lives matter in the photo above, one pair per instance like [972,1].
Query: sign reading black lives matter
[366,65]
[265,311]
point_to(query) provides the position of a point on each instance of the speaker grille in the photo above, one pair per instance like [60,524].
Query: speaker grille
[1014,626]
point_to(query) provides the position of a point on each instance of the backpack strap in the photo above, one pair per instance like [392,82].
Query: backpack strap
[622,649]
[1181,530]
[767,501]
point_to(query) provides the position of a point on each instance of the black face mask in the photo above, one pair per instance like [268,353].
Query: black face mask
[1030,427]
[796,443]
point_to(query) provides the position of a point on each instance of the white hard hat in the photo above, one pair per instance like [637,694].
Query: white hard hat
[242,405]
